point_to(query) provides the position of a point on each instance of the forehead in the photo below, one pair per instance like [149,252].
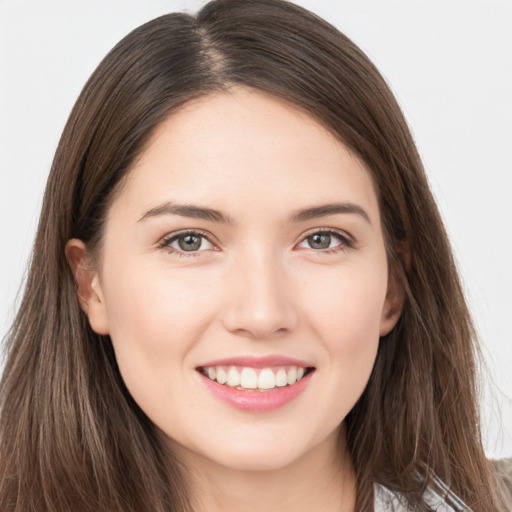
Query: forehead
[244,147]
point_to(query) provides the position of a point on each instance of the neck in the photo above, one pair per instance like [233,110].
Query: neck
[322,479]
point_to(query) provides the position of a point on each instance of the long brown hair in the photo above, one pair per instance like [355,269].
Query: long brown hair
[71,437]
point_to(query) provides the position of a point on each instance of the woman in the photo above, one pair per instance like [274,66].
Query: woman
[241,293]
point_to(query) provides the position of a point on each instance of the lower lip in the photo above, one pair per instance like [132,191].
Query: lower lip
[257,401]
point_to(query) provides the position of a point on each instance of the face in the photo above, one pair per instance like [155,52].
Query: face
[244,282]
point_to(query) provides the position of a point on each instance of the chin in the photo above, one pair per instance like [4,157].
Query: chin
[257,459]
[267,452]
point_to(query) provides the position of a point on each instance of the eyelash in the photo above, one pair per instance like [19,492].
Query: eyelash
[346,242]
[166,242]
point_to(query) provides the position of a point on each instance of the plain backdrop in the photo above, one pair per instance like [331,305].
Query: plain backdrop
[449,63]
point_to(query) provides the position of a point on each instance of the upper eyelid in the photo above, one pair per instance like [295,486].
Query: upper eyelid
[332,231]
[175,234]
[166,241]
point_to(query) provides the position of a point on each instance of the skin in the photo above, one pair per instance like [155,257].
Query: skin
[255,287]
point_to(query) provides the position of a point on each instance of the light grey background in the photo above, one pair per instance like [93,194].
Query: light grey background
[448,61]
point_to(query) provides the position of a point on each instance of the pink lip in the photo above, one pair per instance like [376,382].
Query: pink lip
[258,362]
[256,401]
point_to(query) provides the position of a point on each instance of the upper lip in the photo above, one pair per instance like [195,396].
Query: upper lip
[257,361]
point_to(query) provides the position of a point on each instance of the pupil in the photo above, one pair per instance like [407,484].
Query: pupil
[319,241]
[189,242]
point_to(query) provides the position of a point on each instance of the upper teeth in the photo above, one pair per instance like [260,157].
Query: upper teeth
[253,378]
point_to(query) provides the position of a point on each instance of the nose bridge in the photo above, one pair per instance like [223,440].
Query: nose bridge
[260,301]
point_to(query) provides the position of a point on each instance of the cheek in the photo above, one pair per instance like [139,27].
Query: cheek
[155,318]
[346,309]
[343,309]
[151,303]
[347,321]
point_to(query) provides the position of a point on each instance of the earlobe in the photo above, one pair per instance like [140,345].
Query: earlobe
[88,286]
[393,303]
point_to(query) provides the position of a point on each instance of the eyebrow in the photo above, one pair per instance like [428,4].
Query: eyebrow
[199,212]
[324,210]
[188,210]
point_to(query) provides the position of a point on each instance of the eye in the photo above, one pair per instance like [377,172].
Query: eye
[186,242]
[326,241]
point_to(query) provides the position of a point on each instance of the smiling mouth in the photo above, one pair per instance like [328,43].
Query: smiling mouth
[255,379]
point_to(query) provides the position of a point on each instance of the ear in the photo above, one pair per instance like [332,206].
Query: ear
[393,304]
[88,286]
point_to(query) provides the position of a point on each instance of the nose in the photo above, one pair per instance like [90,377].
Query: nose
[260,297]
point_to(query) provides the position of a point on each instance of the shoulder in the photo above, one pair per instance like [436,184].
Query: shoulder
[503,472]
[436,497]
